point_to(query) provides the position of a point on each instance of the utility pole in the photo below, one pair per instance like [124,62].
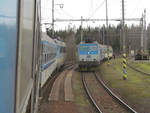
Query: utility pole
[142,33]
[124,47]
[123,30]
[145,35]
[53,18]
[81,29]
[103,34]
[100,40]
[121,37]
[107,31]
[106,15]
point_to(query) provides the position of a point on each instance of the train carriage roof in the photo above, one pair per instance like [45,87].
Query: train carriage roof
[48,39]
[60,43]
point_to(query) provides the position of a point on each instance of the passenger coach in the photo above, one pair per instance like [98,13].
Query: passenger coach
[53,56]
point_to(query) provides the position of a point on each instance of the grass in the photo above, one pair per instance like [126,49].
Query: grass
[136,89]
[144,66]
[80,99]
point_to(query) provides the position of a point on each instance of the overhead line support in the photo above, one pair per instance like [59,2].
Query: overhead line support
[75,20]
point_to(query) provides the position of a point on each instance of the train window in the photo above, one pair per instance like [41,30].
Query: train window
[61,50]
[49,53]
[64,50]
[83,48]
[45,58]
[48,56]
[42,48]
[45,49]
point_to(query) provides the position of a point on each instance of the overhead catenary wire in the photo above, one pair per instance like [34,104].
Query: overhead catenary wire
[135,8]
[97,9]
[67,14]
[91,8]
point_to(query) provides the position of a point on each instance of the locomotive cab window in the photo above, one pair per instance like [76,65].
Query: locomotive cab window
[83,48]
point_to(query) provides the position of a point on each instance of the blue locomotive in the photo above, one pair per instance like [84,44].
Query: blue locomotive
[91,54]
[88,54]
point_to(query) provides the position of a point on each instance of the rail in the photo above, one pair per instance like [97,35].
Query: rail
[89,94]
[114,95]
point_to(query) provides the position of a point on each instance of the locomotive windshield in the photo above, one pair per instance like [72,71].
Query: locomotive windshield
[83,48]
[88,49]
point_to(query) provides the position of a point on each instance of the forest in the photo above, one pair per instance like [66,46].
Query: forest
[111,36]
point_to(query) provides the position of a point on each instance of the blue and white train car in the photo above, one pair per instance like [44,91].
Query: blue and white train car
[110,52]
[101,49]
[49,57]
[53,56]
[106,53]
[61,53]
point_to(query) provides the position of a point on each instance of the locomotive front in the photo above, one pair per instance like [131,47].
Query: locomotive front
[88,55]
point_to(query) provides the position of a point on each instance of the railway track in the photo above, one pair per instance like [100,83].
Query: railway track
[44,93]
[135,69]
[138,70]
[89,95]
[104,97]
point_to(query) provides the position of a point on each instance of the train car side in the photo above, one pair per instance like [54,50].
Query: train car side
[102,52]
[19,55]
[61,53]
[53,55]
[110,52]
[8,53]
[49,61]
[106,53]
[27,84]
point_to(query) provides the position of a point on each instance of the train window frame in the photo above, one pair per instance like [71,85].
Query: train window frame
[83,48]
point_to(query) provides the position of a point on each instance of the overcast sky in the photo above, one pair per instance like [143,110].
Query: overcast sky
[74,9]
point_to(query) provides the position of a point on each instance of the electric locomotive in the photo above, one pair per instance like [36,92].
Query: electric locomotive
[88,55]
[91,54]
